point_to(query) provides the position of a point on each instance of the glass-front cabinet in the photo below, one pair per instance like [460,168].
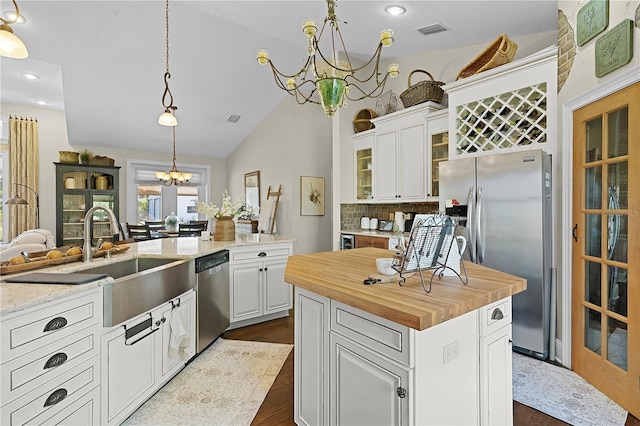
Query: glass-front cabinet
[363,157]
[438,140]
[78,188]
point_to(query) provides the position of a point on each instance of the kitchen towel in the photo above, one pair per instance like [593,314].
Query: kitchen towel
[179,340]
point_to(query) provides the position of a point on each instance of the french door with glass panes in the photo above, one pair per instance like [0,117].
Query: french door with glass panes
[605,347]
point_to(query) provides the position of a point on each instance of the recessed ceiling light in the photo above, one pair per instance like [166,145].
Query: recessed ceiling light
[41,102]
[30,76]
[395,10]
[10,15]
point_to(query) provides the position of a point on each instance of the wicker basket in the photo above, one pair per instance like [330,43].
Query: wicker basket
[423,91]
[500,52]
[362,120]
[68,157]
[99,160]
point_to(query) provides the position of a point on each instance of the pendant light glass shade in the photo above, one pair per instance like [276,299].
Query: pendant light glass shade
[167,119]
[10,44]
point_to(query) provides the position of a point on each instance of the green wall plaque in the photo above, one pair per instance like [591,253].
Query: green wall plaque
[593,18]
[615,48]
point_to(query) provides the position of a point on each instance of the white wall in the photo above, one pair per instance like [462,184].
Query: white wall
[294,141]
[52,132]
[581,81]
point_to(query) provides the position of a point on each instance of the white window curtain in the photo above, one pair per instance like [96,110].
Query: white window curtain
[24,165]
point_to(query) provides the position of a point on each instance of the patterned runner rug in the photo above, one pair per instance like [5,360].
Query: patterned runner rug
[225,385]
[562,394]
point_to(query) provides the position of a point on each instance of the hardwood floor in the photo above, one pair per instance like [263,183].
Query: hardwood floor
[277,408]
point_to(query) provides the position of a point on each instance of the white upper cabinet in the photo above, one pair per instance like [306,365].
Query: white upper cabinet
[505,109]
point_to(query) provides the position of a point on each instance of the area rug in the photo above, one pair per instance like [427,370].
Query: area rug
[225,385]
[562,394]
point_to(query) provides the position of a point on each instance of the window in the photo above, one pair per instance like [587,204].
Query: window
[148,200]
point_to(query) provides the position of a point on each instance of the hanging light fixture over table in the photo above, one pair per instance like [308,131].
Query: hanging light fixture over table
[10,44]
[173,176]
[333,77]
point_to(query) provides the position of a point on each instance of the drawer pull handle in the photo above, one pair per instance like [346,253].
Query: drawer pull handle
[55,397]
[56,360]
[262,254]
[497,314]
[55,324]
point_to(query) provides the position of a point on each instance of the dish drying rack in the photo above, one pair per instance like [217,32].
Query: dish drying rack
[429,246]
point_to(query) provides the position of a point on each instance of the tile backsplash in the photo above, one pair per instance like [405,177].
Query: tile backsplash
[350,214]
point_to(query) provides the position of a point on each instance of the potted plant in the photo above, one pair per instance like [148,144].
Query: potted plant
[84,156]
[171,222]
[225,227]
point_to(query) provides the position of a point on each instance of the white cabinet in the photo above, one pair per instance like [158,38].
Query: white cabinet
[365,387]
[51,363]
[363,166]
[509,108]
[135,361]
[352,367]
[400,164]
[258,290]
[390,162]
[495,364]
[438,143]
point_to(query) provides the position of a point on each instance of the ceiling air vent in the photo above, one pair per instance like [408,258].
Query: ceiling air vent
[433,29]
[233,118]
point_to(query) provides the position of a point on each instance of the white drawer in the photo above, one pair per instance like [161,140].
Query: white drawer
[54,396]
[495,316]
[262,252]
[376,333]
[28,330]
[34,369]
[85,411]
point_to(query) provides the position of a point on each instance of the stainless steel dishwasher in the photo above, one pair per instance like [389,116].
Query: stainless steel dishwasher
[212,296]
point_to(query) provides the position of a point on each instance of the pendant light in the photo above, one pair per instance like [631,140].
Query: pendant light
[168,117]
[333,78]
[10,44]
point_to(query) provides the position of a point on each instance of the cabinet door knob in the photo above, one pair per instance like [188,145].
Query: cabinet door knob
[402,392]
[497,314]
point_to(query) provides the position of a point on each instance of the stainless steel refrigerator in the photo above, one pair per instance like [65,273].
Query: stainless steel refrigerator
[505,214]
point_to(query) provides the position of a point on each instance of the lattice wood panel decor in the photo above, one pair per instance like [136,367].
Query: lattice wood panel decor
[508,120]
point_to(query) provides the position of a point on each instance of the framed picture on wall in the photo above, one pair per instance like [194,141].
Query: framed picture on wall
[312,196]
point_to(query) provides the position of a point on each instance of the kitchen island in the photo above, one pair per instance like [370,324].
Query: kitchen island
[390,354]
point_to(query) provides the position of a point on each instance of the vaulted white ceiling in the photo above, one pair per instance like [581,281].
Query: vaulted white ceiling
[103,61]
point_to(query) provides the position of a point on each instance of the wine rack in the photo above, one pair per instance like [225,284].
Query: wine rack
[511,119]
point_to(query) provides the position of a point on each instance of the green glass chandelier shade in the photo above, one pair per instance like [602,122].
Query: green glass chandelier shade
[331,93]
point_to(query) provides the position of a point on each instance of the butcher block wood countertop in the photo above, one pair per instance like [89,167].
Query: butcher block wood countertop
[339,276]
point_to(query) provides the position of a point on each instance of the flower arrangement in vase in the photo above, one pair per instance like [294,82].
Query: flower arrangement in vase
[171,222]
[225,226]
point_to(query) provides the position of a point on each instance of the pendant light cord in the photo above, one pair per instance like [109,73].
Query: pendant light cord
[167,74]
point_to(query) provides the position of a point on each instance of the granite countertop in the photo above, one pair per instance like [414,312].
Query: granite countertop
[339,276]
[16,297]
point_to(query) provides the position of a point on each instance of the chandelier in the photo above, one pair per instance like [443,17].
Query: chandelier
[168,117]
[174,176]
[10,44]
[333,77]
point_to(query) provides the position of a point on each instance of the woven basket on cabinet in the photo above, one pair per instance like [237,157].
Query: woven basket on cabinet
[500,52]
[423,91]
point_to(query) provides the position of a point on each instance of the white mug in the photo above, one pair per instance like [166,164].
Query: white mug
[458,247]
[205,236]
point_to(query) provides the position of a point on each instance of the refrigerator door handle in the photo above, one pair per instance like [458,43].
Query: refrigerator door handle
[471,219]
[480,226]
